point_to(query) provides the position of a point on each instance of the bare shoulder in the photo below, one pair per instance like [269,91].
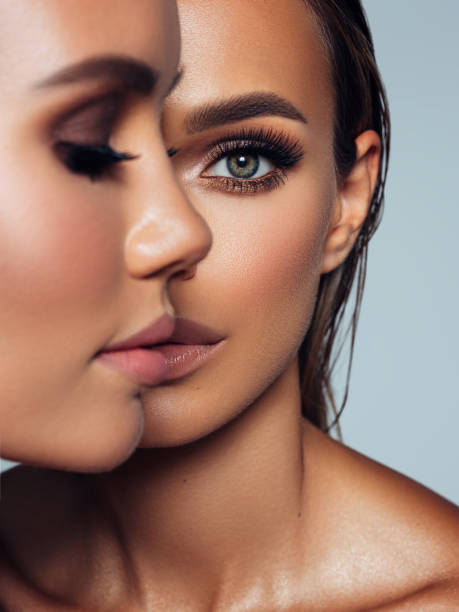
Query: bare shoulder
[387,536]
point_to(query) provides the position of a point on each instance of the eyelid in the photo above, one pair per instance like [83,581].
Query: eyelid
[196,155]
[276,145]
[90,122]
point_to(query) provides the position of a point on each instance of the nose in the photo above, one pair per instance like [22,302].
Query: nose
[166,237]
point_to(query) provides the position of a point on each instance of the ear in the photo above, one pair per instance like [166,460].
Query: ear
[352,201]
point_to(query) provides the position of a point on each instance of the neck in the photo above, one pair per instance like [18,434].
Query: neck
[225,501]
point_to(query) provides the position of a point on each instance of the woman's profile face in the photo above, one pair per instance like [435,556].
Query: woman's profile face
[90,241]
[250,127]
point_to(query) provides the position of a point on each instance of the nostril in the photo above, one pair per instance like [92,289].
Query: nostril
[186,274]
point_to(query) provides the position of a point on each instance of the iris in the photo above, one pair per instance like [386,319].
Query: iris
[243,165]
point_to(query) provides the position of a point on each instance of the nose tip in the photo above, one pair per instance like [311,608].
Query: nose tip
[169,239]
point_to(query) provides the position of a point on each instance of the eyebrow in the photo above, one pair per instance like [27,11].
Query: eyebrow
[131,74]
[237,108]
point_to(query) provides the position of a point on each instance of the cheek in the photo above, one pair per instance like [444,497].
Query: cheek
[267,256]
[59,280]
[59,263]
[56,249]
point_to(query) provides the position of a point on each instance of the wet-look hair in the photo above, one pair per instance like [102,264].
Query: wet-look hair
[360,104]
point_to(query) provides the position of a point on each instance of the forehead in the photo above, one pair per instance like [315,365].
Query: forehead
[232,46]
[38,37]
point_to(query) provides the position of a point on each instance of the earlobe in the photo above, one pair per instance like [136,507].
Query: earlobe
[352,201]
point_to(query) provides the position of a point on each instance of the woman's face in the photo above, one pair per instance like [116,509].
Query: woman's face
[250,128]
[90,243]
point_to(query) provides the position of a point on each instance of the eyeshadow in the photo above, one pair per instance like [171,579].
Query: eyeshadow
[90,123]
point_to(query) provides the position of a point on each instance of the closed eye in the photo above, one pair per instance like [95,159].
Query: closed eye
[92,161]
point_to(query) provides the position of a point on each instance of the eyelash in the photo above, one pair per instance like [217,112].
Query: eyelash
[95,160]
[277,147]
[92,161]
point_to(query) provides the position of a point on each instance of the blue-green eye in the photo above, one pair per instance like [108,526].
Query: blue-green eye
[242,165]
[251,160]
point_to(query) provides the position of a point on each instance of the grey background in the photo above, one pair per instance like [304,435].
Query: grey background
[403,407]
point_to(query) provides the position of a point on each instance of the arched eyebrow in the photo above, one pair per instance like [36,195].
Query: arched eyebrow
[129,73]
[237,108]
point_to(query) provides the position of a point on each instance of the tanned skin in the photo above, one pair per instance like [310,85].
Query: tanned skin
[234,502]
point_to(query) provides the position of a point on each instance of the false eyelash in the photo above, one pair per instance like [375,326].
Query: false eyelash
[90,160]
[278,147]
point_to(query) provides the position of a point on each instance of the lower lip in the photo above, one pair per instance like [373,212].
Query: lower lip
[144,366]
[183,359]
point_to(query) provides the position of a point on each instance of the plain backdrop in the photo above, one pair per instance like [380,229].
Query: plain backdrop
[403,408]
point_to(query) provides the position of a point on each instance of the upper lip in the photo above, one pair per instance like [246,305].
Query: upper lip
[168,330]
[191,332]
[155,333]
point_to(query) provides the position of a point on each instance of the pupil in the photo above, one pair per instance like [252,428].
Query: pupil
[243,165]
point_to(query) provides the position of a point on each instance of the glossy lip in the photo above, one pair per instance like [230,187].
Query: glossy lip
[135,356]
[165,350]
[190,346]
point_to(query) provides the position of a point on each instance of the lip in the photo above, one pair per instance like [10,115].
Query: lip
[159,331]
[165,350]
[187,331]
[190,346]
[136,356]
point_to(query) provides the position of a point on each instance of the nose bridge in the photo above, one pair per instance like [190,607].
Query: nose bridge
[166,235]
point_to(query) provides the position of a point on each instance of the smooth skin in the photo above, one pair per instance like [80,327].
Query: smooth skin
[83,264]
[259,511]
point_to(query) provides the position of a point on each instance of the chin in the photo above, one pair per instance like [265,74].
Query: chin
[108,448]
[91,440]
[180,427]
[192,411]
[103,459]
[173,436]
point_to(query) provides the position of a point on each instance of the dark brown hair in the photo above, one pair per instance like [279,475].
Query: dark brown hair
[360,104]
